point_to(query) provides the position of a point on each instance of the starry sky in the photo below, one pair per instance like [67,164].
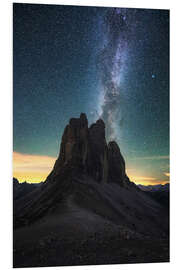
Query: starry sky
[111,63]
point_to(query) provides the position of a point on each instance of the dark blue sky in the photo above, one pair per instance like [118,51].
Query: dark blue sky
[106,62]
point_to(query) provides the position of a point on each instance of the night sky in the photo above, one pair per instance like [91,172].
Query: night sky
[111,63]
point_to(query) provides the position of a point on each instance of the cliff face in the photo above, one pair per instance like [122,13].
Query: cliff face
[85,148]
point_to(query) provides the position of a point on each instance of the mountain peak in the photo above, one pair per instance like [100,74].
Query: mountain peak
[87,151]
[100,122]
[79,122]
[83,119]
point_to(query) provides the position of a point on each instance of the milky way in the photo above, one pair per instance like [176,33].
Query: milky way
[117,27]
[111,63]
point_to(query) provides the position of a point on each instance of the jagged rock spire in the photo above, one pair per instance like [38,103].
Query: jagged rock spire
[117,171]
[87,151]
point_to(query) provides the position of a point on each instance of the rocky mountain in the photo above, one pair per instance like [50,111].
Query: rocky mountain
[86,150]
[86,198]
[159,193]
[22,189]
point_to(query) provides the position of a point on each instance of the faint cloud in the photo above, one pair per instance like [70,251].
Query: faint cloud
[139,178]
[32,167]
[151,158]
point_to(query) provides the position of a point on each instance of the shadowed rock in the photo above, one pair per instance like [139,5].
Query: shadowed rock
[86,149]
[116,163]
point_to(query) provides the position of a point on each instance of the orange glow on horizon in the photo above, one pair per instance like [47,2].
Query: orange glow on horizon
[32,168]
[35,169]
[143,180]
[30,177]
[146,182]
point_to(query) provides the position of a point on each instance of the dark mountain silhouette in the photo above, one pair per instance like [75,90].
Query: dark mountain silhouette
[22,189]
[153,188]
[160,193]
[85,149]
[88,200]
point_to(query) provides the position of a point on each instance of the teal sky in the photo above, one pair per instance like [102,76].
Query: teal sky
[106,62]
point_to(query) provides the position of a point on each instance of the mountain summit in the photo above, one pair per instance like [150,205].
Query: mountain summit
[86,150]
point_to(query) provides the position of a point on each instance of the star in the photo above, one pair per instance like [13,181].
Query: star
[104,62]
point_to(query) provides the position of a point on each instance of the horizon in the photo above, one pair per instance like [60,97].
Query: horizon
[63,65]
[35,182]
[46,163]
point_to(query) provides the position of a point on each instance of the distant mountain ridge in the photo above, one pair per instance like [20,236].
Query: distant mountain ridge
[22,189]
[160,193]
[159,187]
